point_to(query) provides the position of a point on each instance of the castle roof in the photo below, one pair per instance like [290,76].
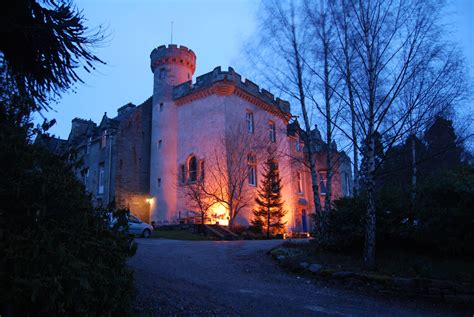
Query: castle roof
[229,82]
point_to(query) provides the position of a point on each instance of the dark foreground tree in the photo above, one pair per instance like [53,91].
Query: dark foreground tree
[269,213]
[57,254]
[43,43]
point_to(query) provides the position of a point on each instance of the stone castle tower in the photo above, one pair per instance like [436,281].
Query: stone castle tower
[171,66]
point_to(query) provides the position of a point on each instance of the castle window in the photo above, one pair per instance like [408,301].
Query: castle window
[159,144]
[103,142]
[88,147]
[158,182]
[101,179]
[201,170]
[272,131]
[192,169]
[252,170]
[322,183]
[298,145]
[182,174]
[249,118]
[86,177]
[161,106]
[299,178]
[162,73]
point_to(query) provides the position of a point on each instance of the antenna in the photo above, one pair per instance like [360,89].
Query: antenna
[171,32]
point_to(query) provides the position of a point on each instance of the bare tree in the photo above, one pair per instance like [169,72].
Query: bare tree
[197,198]
[394,42]
[278,54]
[228,168]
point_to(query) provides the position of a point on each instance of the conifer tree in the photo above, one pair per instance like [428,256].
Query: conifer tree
[269,213]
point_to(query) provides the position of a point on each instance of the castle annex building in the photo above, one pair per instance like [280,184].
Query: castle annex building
[210,131]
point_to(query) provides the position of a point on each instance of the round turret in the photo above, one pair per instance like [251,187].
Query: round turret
[171,65]
[176,64]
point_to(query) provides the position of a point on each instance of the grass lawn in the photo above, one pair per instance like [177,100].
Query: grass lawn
[177,235]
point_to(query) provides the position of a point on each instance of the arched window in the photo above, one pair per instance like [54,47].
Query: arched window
[192,169]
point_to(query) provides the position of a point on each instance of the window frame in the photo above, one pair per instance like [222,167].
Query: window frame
[250,121]
[252,170]
[272,131]
[299,178]
[101,179]
[192,173]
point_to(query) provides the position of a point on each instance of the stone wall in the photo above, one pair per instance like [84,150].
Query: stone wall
[132,157]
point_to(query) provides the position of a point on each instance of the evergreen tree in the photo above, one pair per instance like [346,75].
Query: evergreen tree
[269,213]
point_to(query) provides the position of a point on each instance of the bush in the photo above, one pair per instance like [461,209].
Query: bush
[442,222]
[57,255]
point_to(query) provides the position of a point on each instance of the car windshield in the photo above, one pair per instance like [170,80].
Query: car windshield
[133,219]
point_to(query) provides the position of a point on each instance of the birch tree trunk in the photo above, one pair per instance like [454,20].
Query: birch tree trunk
[370,221]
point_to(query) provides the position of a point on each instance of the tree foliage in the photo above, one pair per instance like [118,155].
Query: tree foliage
[57,254]
[43,43]
[269,213]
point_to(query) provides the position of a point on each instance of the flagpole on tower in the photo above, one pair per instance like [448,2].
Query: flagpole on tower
[171,32]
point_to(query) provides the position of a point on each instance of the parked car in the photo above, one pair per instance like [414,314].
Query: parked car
[136,226]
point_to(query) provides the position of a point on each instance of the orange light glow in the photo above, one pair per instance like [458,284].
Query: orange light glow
[218,214]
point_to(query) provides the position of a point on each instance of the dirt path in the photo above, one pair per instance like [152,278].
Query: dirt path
[238,278]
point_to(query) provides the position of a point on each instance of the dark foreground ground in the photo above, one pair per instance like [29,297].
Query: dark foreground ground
[238,278]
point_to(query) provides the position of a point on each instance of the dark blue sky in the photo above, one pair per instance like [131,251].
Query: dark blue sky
[215,29]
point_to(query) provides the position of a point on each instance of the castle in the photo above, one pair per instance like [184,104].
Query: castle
[217,130]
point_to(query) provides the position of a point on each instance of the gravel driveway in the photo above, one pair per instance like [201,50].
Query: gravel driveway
[238,278]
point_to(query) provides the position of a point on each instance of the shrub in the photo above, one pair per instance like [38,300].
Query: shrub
[442,221]
[57,255]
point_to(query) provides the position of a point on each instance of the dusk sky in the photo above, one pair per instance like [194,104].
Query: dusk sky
[215,30]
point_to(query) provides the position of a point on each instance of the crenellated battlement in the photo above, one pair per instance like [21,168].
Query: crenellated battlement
[232,78]
[173,54]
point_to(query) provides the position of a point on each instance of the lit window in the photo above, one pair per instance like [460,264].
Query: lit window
[271,131]
[249,117]
[192,169]
[252,170]
[103,143]
[299,177]
[101,178]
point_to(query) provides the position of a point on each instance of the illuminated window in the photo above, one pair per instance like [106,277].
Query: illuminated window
[249,118]
[101,178]
[192,169]
[299,177]
[252,170]
[271,131]
[103,142]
